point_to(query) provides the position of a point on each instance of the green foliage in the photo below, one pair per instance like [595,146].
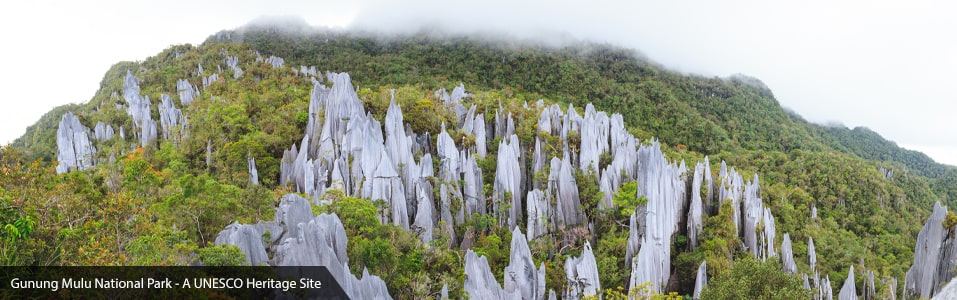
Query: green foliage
[358,216]
[222,255]
[627,200]
[751,279]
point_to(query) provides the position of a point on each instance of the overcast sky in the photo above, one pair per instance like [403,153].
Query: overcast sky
[889,66]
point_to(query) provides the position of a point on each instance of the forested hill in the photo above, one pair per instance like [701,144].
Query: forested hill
[173,149]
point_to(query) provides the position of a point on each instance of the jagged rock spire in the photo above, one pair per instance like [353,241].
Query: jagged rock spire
[582,275]
[75,151]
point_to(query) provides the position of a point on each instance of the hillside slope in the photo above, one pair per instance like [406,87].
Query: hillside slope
[231,108]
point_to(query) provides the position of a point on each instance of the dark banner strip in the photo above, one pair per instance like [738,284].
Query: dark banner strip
[168,283]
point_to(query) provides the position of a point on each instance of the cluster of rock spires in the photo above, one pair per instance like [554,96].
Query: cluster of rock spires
[138,107]
[296,237]
[233,63]
[935,256]
[345,148]
[75,151]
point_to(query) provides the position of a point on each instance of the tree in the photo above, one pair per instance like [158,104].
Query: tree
[749,278]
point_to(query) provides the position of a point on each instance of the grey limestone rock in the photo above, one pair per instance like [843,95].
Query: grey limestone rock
[209,80]
[275,62]
[424,221]
[568,208]
[248,239]
[923,278]
[187,92]
[848,291]
[474,189]
[538,214]
[478,131]
[701,280]
[293,210]
[171,118]
[521,277]
[507,184]
[826,292]
[479,281]
[233,63]
[139,109]
[663,185]
[582,275]
[75,151]
[103,131]
[253,172]
[761,244]
[696,207]
[787,256]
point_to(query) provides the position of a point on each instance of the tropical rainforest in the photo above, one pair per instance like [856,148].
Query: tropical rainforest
[164,201]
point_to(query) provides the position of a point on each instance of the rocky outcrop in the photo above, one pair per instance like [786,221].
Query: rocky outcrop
[507,186]
[275,61]
[562,183]
[538,214]
[848,291]
[594,138]
[253,172]
[187,92]
[581,274]
[75,151]
[521,277]
[787,256]
[209,80]
[248,238]
[696,207]
[825,291]
[924,277]
[138,107]
[172,120]
[479,281]
[233,63]
[297,238]
[811,254]
[701,280]
[651,232]
[761,244]
[103,131]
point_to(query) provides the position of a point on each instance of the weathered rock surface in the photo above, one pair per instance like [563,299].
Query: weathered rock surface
[538,214]
[521,277]
[297,238]
[479,281]
[233,63]
[811,254]
[187,92]
[701,280]
[507,185]
[848,291]
[138,107]
[787,256]
[248,239]
[171,119]
[923,278]
[662,184]
[562,183]
[75,151]
[103,131]
[581,274]
[253,172]
[696,207]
